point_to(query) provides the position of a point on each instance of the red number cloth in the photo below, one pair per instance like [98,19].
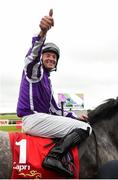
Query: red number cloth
[36,151]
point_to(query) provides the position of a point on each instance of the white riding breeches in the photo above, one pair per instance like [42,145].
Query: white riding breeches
[52,126]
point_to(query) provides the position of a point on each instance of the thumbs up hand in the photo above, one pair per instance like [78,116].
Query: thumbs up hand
[46,23]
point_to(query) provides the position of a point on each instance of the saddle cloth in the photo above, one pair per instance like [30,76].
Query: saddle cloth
[28,153]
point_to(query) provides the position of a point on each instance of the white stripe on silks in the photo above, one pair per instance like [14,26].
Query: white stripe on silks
[31,96]
[50,97]
[35,71]
[36,80]
[41,73]
[36,48]
[27,61]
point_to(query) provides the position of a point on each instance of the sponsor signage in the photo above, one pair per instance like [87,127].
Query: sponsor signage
[4,122]
[73,101]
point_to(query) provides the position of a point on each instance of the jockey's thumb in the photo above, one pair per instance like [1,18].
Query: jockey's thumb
[51,12]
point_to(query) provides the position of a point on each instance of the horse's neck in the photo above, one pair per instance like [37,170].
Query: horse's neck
[105,148]
[106,133]
[82,148]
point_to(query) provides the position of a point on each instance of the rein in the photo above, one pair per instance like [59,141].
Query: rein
[96,148]
[96,145]
[95,141]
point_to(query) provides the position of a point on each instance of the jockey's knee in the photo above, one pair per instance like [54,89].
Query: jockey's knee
[88,128]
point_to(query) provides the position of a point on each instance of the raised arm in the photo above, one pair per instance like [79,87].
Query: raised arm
[34,54]
[37,42]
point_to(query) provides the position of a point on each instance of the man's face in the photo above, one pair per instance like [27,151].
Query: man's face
[49,60]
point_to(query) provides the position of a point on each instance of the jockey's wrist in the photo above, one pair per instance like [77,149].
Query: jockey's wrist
[42,34]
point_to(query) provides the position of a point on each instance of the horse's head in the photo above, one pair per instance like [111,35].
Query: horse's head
[104,118]
[107,110]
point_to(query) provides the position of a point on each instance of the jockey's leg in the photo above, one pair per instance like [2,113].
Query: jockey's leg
[53,160]
[51,126]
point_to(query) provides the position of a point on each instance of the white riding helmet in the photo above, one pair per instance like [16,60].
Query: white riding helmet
[51,47]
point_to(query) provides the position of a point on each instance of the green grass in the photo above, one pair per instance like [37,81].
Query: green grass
[9,116]
[10,129]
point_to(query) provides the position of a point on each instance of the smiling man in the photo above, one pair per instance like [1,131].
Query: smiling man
[36,105]
[50,56]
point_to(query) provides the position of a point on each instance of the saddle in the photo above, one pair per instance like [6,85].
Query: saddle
[28,154]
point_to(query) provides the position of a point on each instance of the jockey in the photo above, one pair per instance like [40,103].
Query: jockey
[36,105]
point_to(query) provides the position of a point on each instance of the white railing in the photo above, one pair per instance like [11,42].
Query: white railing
[10,122]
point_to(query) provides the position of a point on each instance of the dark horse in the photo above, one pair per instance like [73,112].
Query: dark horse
[99,148]
[104,146]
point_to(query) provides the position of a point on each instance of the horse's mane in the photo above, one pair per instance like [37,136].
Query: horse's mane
[105,110]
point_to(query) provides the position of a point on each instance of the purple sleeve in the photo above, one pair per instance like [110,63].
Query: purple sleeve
[36,40]
[33,58]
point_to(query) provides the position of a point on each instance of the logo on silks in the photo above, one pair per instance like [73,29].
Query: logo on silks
[32,174]
[71,100]
[21,167]
[25,171]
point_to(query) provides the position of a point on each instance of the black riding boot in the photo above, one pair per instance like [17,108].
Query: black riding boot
[53,159]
